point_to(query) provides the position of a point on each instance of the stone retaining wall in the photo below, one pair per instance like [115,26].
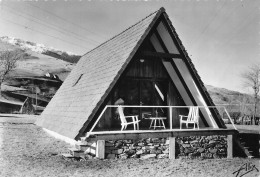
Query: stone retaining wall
[202,146]
[186,147]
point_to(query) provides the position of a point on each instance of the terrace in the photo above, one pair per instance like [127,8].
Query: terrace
[170,128]
[167,119]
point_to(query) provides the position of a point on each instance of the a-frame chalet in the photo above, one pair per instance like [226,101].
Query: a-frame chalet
[146,68]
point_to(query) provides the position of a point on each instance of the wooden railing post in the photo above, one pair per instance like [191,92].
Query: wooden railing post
[170,118]
[230,146]
[172,148]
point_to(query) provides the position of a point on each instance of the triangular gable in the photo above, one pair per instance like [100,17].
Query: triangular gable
[82,94]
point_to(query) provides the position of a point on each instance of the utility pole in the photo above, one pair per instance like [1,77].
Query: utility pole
[36,100]
[35,89]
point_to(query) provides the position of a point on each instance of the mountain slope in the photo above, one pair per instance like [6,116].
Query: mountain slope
[28,45]
[40,48]
[224,96]
[34,81]
[36,63]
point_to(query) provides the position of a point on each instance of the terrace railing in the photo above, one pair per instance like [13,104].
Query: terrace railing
[206,110]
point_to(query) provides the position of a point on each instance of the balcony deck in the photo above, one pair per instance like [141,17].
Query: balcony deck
[163,133]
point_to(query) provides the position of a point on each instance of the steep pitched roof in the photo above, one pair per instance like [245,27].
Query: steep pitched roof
[90,81]
[83,92]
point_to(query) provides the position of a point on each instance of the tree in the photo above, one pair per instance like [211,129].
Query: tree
[252,80]
[8,61]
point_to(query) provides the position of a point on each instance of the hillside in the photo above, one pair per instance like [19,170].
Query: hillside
[36,63]
[40,48]
[236,103]
[36,73]
[225,96]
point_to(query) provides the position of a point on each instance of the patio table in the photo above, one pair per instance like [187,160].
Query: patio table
[157,122]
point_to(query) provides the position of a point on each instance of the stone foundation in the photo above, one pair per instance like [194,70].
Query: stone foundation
[145,148]
[186,147]
[202,147]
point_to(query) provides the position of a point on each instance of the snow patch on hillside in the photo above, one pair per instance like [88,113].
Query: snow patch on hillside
[27,45]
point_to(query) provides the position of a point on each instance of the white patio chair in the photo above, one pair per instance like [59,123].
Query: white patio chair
[124,122]
[192,118]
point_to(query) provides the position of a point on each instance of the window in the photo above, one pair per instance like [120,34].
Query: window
[78,80]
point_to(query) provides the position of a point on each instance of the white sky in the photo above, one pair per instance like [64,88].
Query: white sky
[221,37]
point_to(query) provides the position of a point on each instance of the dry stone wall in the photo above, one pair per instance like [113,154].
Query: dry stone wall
[186,147]
[202,147]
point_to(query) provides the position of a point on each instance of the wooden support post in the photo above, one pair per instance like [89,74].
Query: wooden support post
[230,146]
[170,118]
[100,149]
[172,148]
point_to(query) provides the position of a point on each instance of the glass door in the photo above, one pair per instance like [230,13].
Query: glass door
[131,92]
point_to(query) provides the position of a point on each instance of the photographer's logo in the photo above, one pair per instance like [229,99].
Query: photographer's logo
[245,169]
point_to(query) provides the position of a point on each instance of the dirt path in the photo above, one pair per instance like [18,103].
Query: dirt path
[26,150]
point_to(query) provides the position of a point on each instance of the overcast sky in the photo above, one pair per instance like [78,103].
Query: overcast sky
[221,37]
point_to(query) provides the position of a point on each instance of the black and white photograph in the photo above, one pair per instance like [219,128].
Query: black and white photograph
[129,88]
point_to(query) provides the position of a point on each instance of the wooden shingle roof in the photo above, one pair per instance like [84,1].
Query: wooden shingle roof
[90,81]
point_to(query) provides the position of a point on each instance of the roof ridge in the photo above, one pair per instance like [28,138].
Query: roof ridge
[160,10]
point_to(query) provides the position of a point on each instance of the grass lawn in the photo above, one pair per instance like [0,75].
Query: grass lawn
[26,150]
